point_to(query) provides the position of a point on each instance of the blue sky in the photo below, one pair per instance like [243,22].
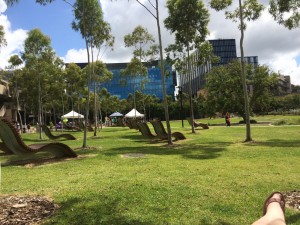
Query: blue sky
[54,20]
[275,46]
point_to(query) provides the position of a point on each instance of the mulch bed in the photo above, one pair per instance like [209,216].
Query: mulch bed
[292,199]
[21,210]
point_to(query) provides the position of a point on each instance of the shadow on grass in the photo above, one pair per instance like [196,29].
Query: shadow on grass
[276,143]
[197,151]
[293,218]
[103,210]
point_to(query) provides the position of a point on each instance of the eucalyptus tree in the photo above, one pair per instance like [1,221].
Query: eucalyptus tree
[188,20]
[102,74]
[247,10]
[286,12]
[2,37]
[38,56]
[15,61]
[102,40]
[153,9]
[228,79]
[144,50]
[88,16]
[74,82]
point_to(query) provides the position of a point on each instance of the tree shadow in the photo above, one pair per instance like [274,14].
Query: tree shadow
[100,209]
[197,151]
[293,218]
[276,143]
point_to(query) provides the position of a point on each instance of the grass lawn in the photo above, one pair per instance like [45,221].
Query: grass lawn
[211,178]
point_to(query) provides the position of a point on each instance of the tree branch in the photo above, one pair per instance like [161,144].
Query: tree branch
[151,4]
[146,8]
[68,3]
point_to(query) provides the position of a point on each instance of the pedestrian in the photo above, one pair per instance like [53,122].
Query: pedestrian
[227,119]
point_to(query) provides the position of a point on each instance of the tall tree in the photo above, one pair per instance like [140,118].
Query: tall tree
[153,9]
[228,79]
[247,10]
[88,16]
[188,20]
[102,40]
[286,12]
[37,55]
[144,50]
[2,37]
[101,75]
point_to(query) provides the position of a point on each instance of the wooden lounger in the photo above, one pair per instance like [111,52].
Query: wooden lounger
[13,141]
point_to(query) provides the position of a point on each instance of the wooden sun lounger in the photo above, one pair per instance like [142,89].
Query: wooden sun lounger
[145,130]
[203,125]
[48,133]
[13,141]
[161,132]
[5,149]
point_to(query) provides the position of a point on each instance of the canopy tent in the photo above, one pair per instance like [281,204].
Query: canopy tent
[134,113]
[73,115]
[116,114]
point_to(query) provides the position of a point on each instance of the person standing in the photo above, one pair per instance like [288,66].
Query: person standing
[227,119]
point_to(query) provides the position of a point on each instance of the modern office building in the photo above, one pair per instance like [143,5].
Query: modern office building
[225,49]
[122,86]
[284,84]
[197,75]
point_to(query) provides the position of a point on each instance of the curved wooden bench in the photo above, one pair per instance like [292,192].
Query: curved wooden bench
[48,133]
[196,124]
[13,141]
[161,131]
[145,130]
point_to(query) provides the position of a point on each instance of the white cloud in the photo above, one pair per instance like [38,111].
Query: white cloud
[3,6]
[75,56]
[15,39]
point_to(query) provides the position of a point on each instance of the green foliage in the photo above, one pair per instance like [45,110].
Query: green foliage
[224,91]
[188,20]
[286,12]
[220,4]
[143,43]
[134,69]
[2,37]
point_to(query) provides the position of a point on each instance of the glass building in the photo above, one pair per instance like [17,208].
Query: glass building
[122,86]
[225,49]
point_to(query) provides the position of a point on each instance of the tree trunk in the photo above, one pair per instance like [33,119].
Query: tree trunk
[190,89]
[247,116]
[95,101]
[87,105]
[163,77]
[40,106]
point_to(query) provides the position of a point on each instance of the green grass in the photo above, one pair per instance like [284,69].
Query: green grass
[211,178]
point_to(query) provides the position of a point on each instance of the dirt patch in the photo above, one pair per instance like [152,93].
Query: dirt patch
[21,210]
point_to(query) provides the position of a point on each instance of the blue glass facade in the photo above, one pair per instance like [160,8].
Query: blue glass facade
[225,49]
[122,86]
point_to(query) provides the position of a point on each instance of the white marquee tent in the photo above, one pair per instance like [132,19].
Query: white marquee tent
[134,113]
[72,115]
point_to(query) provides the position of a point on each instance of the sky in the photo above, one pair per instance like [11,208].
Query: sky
[275,46]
